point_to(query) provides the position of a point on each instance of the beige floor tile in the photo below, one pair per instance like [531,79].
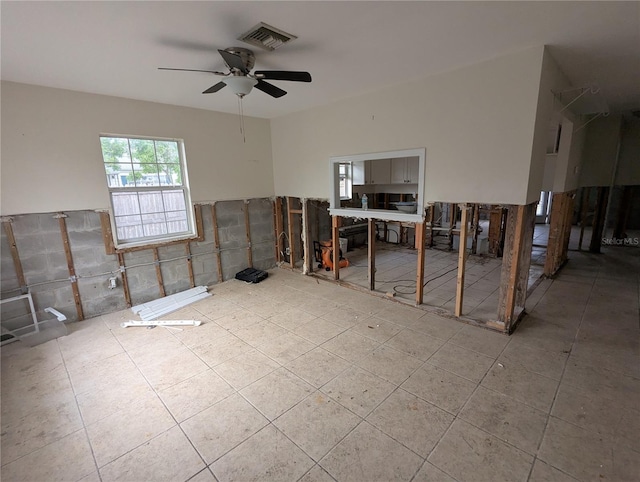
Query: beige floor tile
[118,395]
[545,473]
[535,360]
[594,413]
[203,476]
[276,393]
[38,428]
[171,369]
[245,369]
[416,424]
[317,474]
[347,316]
[392,365]
[481,341]
[350,346]
[194,335]
[102,373]
[220,350]
[537,333]
[469,454]
[317,424]
[416,344]
[222,426]
[529,388]
[89,351]
[167,457]
[586,455]
[431,473]
[465,363]
[92,477]
[377,329]
[442,388]
[124,430]
[238,319]
[368,454]
[194,394]
[318,331]
[266,456]
[358,390]
[286,347]
[135,337]
[290,318]
[318,366]
[400,314]
[436,326]
[259,333]
[52,462]
[507,419]
[19,360]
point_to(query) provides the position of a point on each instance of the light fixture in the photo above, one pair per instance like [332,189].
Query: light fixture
[240,84]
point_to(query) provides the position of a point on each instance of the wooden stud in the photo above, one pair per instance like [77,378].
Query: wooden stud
[292,252]
[192,279]
[156,260]
[335,246]
[125,280]
[432,220]
[371,253]
[420,230]
[295,211]
[277,210]
[556,216]
[72,271]
[199,224]
[462,252]
[107,234]
[216,242]
[453,211]
[476,228]
[17,264]
[584,210]
[306,229]
[247,227]
[514,268]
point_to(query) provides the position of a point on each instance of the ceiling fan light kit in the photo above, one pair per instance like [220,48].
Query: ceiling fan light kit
[240,85]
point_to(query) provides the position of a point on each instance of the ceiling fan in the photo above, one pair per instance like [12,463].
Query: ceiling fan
[240,79]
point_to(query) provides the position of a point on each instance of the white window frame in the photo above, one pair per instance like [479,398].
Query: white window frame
[348,180]
[151,240]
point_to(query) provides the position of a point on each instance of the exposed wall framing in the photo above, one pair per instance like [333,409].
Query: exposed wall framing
[559,231]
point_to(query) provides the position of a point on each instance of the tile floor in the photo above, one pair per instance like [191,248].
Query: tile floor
[298,379]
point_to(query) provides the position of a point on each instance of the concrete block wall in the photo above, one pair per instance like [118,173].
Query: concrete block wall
[41,251]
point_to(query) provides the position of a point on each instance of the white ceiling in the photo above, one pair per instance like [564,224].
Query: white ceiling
[114,48]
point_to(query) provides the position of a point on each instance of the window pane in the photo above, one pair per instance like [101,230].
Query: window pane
[151,202]
[154,224]
[115,149]
[174,200]
[129,227]
[170,174]
[167,152]
[125,203]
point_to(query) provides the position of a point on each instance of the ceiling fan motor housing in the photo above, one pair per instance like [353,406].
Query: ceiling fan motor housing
[246,55]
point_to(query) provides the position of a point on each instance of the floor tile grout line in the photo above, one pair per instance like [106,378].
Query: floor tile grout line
[564,368]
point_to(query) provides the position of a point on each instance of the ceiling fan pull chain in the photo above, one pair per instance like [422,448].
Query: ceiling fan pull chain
[241,114]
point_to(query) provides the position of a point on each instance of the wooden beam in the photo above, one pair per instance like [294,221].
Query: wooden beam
[156,260]
[598,219]
[125,280]
[514,268]
[371,253]
[306,229]
[432,220]
[453,211]
[335,237]
[107,234]
[247,228]
[17,264]
[295,211]
[72,271]
[462,251]
[476,226]
[420,228]
[216,242]
[277,213]
[199,224]
[292,252]
[584,210]
[192,279]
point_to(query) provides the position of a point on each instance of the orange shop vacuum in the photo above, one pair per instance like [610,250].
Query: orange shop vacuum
[324,255]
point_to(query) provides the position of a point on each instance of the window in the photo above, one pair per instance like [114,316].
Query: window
[346,180]
[148,188]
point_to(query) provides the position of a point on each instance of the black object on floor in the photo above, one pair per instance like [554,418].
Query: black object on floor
[252,275]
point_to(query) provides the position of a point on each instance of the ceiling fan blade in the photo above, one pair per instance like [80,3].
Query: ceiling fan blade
[283,75]
[214,88]
[270,89]
[193,70]
[233,61]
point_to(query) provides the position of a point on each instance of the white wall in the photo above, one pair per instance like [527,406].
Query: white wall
[51,157]
[600,148]
[476,123]
[629,164]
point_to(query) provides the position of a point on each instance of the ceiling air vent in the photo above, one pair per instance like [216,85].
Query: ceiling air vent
[266,37]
